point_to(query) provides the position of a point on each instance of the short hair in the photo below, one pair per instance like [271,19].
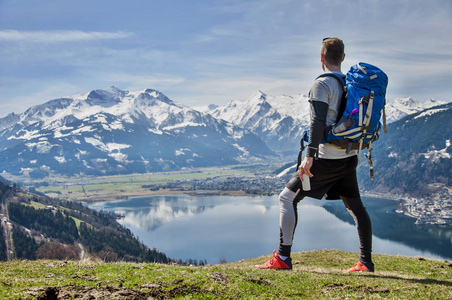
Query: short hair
[333,50]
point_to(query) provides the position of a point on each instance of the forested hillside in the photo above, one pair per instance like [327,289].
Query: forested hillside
[415,156]
[36,227]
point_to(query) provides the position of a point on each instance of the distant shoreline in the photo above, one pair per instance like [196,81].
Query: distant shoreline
[111,197]
[384,196]
[204,193]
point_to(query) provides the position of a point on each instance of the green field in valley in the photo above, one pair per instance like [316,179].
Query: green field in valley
[121,186]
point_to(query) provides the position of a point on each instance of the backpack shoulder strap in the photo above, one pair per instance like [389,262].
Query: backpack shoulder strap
[341,80]
[339,77]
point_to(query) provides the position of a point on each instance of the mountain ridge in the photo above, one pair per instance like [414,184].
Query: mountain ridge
[111,131]
[115,132]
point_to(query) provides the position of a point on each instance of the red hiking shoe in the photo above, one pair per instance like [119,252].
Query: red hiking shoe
[360,267]
[276,263]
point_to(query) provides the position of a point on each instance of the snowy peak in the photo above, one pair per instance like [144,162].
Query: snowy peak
[157,95]
[401,107]
[9,121]
[247,114]
[116,91]
[408,102]
[102,98]
[257,97]
[432,102]
[279,121]
[296,107]
[102,101]
[107,97]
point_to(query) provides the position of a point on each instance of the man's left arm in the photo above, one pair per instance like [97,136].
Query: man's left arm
[318,115]
[319,111]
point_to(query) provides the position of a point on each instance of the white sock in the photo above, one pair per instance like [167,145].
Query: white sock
[283,257]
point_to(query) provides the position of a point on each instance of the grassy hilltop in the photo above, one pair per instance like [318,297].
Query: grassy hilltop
[316,275]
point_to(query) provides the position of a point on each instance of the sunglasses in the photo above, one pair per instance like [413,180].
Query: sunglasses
[330,38]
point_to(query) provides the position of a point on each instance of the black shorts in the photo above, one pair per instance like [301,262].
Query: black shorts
[332,178]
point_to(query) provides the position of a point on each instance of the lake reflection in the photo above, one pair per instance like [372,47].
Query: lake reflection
[235,228]
[149,214]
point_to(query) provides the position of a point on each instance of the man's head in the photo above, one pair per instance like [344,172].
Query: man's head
[332,51]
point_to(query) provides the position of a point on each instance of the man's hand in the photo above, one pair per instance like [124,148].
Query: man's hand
[305,167]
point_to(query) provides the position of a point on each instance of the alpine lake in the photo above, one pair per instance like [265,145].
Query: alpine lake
[230,228]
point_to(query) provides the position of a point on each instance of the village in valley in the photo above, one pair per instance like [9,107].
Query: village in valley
[428,211]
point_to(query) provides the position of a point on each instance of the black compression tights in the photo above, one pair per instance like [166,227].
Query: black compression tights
[356,208]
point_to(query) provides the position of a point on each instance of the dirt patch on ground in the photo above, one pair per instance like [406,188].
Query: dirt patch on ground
[362,288]
[258,281]
[153,291]
[448,266]
[219,277]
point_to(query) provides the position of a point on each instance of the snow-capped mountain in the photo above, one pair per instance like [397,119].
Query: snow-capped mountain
[113,131]
[401,107]
[281,120]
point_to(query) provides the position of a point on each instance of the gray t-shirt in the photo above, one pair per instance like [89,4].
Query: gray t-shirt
[328,90]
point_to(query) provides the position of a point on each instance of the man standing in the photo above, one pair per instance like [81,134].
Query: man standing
[332,175]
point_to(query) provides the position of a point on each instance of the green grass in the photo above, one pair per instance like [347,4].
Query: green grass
[77,222]
[316,275]
[37,205]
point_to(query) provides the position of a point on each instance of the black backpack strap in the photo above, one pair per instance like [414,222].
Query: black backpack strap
[304,138]
[343,104]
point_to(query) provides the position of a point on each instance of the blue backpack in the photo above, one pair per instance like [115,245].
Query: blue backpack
[362,107]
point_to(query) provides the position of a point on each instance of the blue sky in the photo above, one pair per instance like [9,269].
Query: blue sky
[200,52]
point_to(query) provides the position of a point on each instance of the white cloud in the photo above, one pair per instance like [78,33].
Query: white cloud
[59,35]
[134,82]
